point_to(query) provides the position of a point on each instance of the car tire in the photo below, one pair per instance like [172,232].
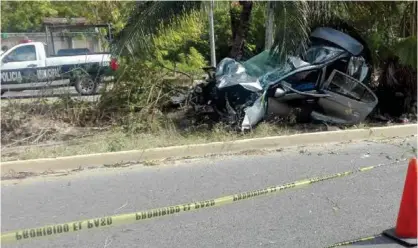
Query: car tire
[86,86]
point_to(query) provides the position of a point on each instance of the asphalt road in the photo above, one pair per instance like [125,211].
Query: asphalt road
[318,215]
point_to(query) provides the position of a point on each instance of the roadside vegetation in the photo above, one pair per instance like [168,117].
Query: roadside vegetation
[162,46]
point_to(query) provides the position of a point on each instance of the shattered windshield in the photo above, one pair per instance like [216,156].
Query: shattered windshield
[261,64]
[264,62]
[266,67]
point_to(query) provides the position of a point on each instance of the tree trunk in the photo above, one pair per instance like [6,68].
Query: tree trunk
[234,20]
[269,40]
[413,19]
[240,31]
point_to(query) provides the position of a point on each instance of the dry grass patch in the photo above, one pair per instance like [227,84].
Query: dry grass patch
[45,129]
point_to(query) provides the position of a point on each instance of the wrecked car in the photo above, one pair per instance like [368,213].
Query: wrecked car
[327,82]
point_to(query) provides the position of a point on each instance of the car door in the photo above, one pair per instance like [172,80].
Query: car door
[349,101]
[19,66]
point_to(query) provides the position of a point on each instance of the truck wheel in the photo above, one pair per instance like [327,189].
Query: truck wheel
[86,86]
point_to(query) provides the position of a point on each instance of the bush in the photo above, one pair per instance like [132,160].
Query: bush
[179,46]
[143,90]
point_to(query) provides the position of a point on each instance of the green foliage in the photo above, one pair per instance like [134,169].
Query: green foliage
[137,91]
[179,43]
[291,23]
[146,22]
[142,89]
[176,45]
[115,12]
[384,47]
[136,39]
[25,16]
[406,50]
[223,33]
[256,35]
[383,25]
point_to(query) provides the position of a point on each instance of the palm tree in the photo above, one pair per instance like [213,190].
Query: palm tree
[142,24]
[240,26]
[397,88]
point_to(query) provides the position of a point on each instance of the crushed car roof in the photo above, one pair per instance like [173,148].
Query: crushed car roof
[339,38]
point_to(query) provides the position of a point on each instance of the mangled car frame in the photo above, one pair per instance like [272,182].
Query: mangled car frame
[327,81]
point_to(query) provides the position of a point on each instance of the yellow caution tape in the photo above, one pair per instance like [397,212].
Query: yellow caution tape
[113,220]
[354,241]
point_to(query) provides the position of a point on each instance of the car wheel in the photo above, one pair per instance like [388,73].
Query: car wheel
[86,86]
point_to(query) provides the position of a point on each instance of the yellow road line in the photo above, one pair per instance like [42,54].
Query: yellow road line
[113,220]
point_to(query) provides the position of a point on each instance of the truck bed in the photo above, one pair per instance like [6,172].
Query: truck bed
[78,59]
[69,55]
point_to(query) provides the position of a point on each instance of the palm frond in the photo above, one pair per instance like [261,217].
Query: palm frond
[406,50]
[408,22]
[144,22]
[291,25]
[296,19]
[326,11]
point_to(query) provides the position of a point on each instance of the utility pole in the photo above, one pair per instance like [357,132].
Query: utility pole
[212,35]
[269,25]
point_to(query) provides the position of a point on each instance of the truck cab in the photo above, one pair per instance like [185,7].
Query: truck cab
[27,66]
[19,61]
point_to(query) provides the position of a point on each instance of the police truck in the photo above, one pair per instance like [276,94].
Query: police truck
[27,66]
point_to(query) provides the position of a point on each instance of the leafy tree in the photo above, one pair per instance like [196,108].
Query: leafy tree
[25,16]
[177,45]
[114,12]
[145,21]
[254,42]
[292,26]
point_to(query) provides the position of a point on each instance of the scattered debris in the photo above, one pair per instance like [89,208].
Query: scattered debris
[17,175]
[121,164]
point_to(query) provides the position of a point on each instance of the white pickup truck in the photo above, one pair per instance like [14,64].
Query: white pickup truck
[27,66]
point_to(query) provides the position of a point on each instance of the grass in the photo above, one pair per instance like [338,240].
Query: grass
[118,140]
[47,129]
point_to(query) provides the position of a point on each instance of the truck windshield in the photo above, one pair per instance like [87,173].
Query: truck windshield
[23,53]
